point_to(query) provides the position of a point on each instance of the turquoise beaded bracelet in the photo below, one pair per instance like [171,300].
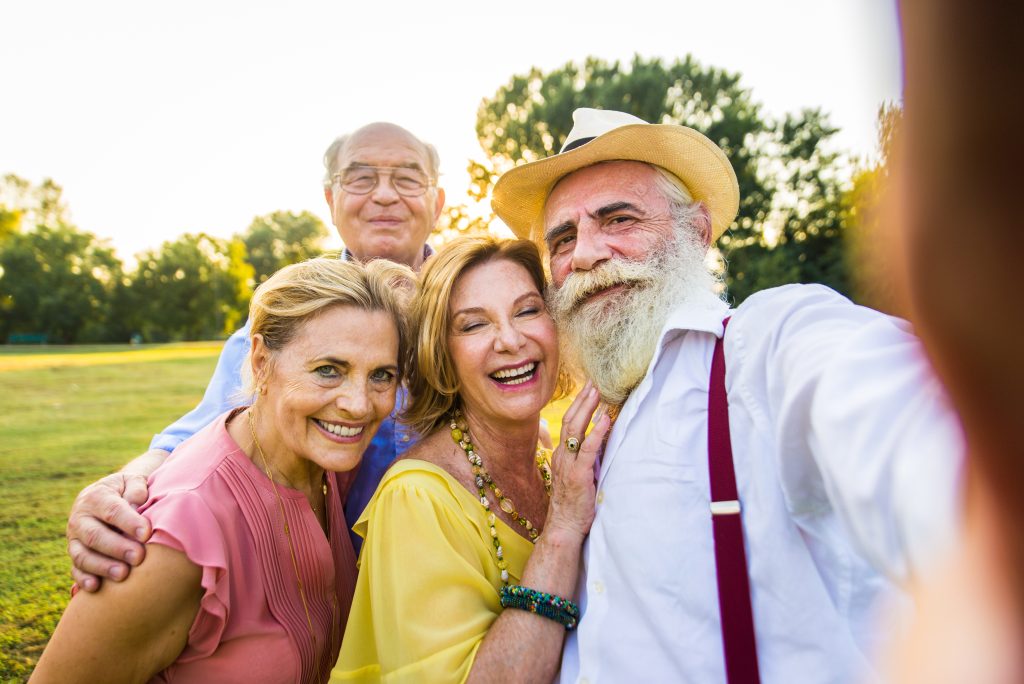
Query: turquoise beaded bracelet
[550,606]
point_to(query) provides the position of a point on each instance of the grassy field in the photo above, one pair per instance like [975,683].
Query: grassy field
[69,415]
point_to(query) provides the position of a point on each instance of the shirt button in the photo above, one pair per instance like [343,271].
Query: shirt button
[600,496]
[405,438]
[584,680]
[598,587]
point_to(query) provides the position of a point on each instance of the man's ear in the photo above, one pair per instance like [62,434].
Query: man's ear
[329,196]
[703,226]
[438,203]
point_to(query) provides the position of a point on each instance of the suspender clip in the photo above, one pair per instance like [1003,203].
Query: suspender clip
[725,507]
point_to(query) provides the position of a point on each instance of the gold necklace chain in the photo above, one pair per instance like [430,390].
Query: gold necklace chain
[482,479]
[287,531]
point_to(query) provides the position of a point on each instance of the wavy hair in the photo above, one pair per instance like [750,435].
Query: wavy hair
[432,381]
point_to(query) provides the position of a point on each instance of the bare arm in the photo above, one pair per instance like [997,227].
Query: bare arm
[521,646]
[129,631]
[97,547]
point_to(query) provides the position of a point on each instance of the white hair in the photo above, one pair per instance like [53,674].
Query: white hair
[613,339]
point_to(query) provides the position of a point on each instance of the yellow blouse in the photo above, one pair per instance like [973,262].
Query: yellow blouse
[428,583]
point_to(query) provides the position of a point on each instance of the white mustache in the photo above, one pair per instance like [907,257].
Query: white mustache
[579,286]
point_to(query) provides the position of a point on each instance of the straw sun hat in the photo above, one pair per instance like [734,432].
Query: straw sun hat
[602,135]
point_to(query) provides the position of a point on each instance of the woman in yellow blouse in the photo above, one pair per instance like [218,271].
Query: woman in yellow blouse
[476,516]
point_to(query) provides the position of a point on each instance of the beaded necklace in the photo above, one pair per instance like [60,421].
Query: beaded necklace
[483,480]
[287,530]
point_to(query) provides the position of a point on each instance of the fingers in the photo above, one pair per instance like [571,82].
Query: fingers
[96,546]
[84,580]
[592,445]
[110,501]
[574,408]
[136,492]
[577,417]
[89,568]
[98,549]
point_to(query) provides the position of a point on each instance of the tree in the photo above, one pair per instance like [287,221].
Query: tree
[189,289]
[58,282]
[458,221]
[789,192]
[55,280]
[802,238]
[276,240]
[867,243]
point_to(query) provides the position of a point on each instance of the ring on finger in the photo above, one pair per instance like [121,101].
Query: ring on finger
[572,444]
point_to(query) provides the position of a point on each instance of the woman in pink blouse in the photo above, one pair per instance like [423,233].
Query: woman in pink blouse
[250,570]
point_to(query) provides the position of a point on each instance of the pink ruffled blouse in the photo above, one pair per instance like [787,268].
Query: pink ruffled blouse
[212,503]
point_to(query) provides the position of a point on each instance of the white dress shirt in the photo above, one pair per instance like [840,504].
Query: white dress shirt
[847,458]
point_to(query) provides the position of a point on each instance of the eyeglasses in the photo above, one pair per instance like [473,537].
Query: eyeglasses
[361,180]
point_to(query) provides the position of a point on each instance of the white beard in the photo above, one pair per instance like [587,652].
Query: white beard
[612,340]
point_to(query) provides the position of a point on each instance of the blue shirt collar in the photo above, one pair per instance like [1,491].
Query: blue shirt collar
[428,252]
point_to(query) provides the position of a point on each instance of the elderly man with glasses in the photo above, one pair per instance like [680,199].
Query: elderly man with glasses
[381,186]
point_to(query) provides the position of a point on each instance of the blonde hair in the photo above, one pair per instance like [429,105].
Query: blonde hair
[432,381]
[300,292]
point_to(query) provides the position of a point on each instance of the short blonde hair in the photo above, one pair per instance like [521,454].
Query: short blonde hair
[302,291]
[433,383]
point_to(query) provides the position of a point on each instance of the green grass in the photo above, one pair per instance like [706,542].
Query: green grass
[67,417]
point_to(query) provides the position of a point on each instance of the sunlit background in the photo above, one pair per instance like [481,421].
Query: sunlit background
[187,136]
[164,118]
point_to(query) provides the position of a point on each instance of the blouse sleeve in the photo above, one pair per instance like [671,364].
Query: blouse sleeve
[183,521]
[423,600]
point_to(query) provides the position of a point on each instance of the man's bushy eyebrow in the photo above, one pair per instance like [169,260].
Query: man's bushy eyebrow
[558,231]
[602,212]
[614,207]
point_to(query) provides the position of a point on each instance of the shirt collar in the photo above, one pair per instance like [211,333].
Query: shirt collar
[703,312]
[428,252]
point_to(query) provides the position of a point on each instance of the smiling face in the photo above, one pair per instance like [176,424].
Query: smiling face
[613,210]
[622,257]
[384,223]
[502,343]
[329,388]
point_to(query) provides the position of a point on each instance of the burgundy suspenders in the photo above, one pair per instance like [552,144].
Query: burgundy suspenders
[730,558]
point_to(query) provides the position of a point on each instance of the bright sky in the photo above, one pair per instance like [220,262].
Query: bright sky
[165,118]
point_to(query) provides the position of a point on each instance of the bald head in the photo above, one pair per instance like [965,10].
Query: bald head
[379,130]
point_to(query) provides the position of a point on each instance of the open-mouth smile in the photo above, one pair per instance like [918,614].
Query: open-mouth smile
[339,431]
[515,376]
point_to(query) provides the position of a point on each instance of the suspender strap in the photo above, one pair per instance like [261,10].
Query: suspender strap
[730,558]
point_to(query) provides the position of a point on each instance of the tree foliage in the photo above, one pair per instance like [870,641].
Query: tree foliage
[57,282]
[189,289]
[62,284]
[458,221]
[282,238]
[791,216]
[867,244]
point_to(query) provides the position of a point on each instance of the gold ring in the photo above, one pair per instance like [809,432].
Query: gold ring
[572,444]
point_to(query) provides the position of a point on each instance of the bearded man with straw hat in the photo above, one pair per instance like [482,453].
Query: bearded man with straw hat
[774,472]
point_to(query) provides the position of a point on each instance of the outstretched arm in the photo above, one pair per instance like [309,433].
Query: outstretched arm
[105,534]
[862,426]
[130,630]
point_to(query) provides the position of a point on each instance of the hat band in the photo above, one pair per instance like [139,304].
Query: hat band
[576,143]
